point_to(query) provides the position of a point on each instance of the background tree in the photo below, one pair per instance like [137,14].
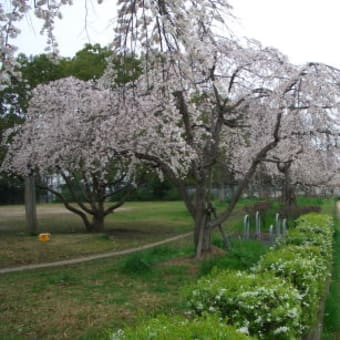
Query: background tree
[306,154]
[79,132]
[210,82]
[230,97]
[312,164]
[62,136]
[88,63]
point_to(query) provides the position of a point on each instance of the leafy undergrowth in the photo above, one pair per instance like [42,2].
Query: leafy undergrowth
[242,255]
[176,327]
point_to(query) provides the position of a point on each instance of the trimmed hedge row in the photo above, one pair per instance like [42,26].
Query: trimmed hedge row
[305,269]
[258,304]
[314,229]
[280,298]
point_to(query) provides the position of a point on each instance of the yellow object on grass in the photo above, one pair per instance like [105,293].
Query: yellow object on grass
[44,237]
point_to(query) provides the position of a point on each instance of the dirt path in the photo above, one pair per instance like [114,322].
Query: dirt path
[91,257]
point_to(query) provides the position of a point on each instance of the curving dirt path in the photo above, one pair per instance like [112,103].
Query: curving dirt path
[92,257]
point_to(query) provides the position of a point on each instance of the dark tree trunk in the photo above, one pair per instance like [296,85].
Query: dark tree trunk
[98,222]
[88,201]
[84,217]
[202,234]
[202,216]
[289,197]
[288,189]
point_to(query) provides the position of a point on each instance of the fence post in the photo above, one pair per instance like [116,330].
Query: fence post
[258,223]
[284,227]
[246,226]
[271,233]
[277,225]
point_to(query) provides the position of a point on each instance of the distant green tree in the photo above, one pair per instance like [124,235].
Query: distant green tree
[88,63]
[35,70]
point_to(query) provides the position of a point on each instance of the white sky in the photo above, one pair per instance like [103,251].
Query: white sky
[70,31]
[305,30]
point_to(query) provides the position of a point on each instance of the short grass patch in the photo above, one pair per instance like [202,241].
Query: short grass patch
[80,302]
[136,224]
[331,327]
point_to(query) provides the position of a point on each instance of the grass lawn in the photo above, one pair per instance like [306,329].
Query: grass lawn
[331,327]
[82,301]
[135,224]
[88,300]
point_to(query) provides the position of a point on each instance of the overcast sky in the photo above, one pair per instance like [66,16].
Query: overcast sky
[305,30]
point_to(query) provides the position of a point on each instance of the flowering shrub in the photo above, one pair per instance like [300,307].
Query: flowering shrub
[257,304]
[318,222]
[165,327]
[313,229]
[305,268]
[304,259]
[309,238]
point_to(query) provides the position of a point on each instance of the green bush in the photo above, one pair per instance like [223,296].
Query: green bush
[313,229]
[304,259]
[242,255]
[261,304]
[319,221]
[305,268]
[136,264]
[175,327]
[141,263]
[309,238]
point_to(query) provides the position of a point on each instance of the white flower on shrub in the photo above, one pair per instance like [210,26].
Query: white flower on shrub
[280,330]
[244,330]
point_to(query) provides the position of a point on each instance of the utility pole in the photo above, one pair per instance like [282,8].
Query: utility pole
[30,205]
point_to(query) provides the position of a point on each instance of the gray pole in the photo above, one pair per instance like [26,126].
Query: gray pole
[30,205]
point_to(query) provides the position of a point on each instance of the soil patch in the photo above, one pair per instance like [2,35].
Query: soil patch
[122,231]
[190,263]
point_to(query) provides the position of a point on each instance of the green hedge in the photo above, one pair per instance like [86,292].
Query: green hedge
[258,304]
[278,300]
[305,268]
[179,328]
[313,229]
